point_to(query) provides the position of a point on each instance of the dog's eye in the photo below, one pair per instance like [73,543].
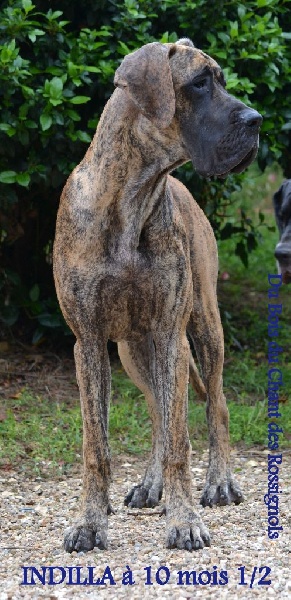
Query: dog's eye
[200,84]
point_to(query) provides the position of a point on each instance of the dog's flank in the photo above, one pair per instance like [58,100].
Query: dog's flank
[282,207]
[135,260]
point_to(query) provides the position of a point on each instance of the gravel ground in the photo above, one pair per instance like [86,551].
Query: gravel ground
[35,512]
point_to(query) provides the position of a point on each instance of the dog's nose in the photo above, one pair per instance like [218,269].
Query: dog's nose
[251,118]
[283,252]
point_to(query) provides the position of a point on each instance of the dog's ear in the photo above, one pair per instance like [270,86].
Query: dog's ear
[146,75]
[185,42]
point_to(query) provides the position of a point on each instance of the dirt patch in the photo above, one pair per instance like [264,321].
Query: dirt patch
[43,372]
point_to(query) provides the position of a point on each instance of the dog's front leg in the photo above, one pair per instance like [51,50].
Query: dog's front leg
[93,375]
[185,529]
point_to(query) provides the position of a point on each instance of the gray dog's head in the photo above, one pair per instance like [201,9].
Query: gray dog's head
[179,84]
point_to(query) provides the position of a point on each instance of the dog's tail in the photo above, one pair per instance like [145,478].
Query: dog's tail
[195,379]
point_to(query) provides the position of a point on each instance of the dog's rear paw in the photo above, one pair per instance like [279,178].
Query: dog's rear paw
[82,539]
[141,497]
[221,494]
[191,535]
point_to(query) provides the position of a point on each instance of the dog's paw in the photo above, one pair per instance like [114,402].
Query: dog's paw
[221,494]
[83,538]
[189,535]
[142,497]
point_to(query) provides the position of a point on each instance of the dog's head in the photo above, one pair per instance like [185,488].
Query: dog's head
[282,208]
[168,82]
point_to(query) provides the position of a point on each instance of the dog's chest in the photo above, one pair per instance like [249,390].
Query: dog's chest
[136,290]
[127,295]
[126,283]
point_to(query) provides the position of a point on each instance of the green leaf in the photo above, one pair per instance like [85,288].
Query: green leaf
[59,118]
[56,88]
[73,115]
[223,37]
[55,102]
[83,136]
[241,251]
[27,91]
[27,6]
[8,177]
[255,56]
[267,125]
[211,38]
[91,69]
[104,32]
[53,15]
[261,3]
[45,121]
[54,71]
[9,315]
[30,124]
[80,99]
[9,130]
[230,84]
[233,29]
[33,34]
[23,179]
[226,231]
[49,320]
[73,69]
[221,54]
[38,335]
[123,48]
[241,11]
[34,293]
[251,242]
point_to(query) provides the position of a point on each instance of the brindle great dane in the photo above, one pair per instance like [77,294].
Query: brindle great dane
[135,261]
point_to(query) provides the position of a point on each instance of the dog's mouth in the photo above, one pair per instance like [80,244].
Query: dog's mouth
[286,274]
[284,271]
[243,164]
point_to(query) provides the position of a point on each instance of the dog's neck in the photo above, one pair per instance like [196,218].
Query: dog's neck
[135,179]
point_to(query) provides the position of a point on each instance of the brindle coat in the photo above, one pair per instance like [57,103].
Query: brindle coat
[135,260]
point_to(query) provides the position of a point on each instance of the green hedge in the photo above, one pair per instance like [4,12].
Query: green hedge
[56,73]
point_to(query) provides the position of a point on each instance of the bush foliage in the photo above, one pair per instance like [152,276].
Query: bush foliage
[56,74]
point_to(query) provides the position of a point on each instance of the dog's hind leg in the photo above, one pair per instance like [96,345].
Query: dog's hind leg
[138,359]
[185,529]
[206,332]
[195,379]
